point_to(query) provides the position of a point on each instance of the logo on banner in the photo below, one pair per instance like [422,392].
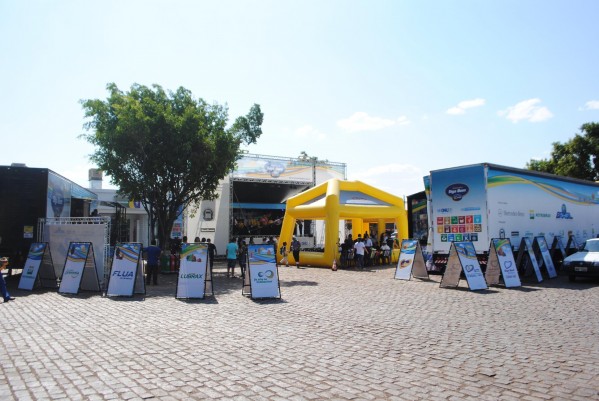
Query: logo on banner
[457,191]
[126,275]
[469,268]
[267,274]
[563,214]
[191,276]
[71,273]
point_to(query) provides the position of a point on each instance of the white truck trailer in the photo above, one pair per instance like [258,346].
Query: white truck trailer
[484,201]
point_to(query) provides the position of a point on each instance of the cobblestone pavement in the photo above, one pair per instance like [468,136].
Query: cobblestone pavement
[345,335]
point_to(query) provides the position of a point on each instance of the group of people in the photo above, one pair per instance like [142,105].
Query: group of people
[366,250]
[294,248]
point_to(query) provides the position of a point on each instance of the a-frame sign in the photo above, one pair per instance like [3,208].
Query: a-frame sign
[558,252]
[194,280]
[411,261]
[571,245]
[79,271]
[462,258]
[541,245]
[262,272]
[501,264]
[126,275]
[526,258]
[39,269]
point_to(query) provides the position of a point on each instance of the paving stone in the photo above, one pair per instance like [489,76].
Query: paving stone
[334,335]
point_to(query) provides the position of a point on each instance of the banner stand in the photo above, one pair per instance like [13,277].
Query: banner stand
[79,271]
[572,244]
[527,258]
[38,271]
[262,272]
[558,252]
[411,261]
[126,275]
[541,246]
[462,258]
[194,279]
[501,264]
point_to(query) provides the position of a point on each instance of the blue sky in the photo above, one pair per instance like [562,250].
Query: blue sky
[394,89]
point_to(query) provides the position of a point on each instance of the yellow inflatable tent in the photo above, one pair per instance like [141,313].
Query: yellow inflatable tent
[336,200]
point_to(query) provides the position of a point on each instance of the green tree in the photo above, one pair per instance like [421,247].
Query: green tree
[165,149]
[577,158]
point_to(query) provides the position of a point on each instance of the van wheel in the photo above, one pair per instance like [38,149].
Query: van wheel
[572,277]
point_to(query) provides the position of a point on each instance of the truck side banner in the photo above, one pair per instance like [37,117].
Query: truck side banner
[125,274]
[462,258]
[459,207]
[501,263]
[525,205]
[263,273]
[191,282]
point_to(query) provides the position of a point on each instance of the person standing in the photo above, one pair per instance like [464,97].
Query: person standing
[360,247]
[242,255]
[295,249]
[5,295]
[284,252]
[152,263]
[211,252]
[232,250]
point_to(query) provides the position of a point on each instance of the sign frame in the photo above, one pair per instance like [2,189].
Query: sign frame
[526,252]
[541,245]
[80,266]
[411,261]
[462,258]
[127,258]
[262,272]
[190,266]
[38,264]
[501,264]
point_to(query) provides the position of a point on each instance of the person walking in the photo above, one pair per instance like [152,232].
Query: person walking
[5,295]
[295,249]
[232,250]
[152,263]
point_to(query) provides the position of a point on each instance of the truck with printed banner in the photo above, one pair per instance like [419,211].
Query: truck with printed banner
[483,201]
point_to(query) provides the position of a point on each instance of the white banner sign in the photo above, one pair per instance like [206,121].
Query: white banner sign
[502,248]
[544,249]
[403,271]
[72,274]
[124,270]
[32,266]
[532,257]
[264,276]
[472,271]
[191,282]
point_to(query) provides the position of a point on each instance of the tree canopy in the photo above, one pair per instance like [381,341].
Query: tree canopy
[577,158]
[165,149]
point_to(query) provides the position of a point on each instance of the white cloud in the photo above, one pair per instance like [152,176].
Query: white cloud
[591,105]
[527,110]
[361,121]
[310,133]
[464,105]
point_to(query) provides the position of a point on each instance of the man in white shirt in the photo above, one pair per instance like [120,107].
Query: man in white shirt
[360,247]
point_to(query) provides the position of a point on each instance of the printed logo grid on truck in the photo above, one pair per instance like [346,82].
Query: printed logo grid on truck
[458,206]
